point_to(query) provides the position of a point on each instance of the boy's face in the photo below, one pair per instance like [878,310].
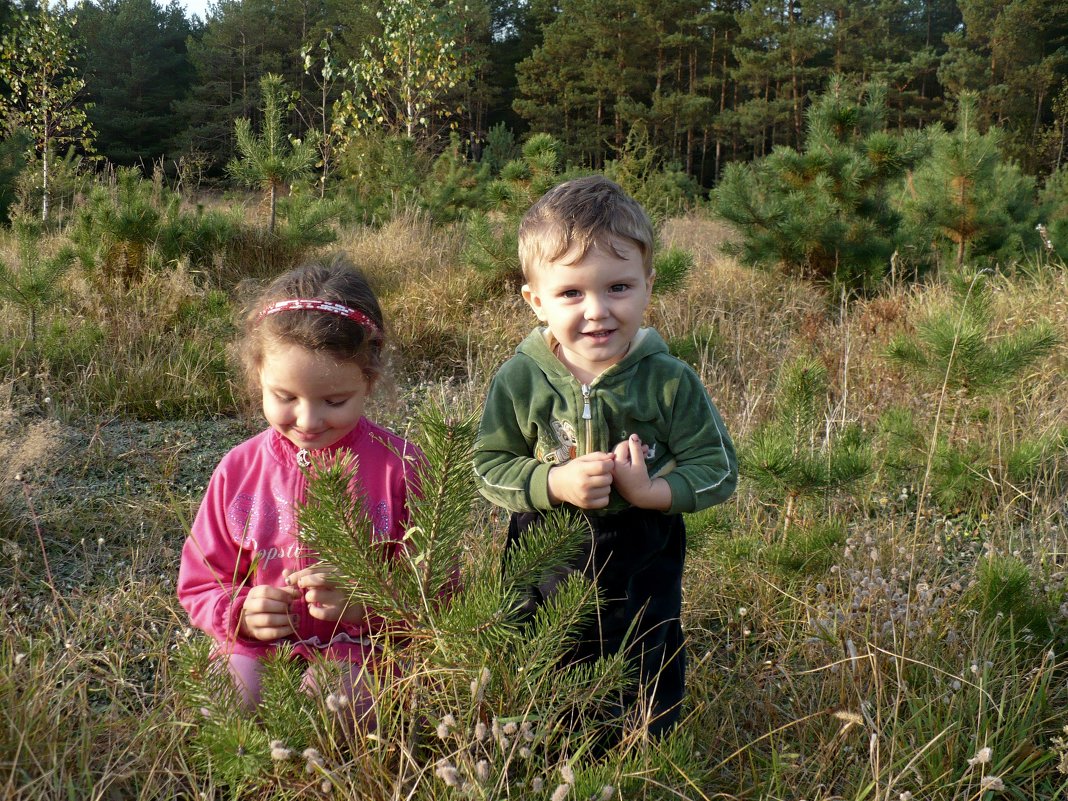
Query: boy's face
[593,307]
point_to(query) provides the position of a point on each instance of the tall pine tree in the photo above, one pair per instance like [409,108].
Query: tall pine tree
[136,67]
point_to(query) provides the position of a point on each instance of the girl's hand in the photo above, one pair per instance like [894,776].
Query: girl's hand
[325,601]
[265,613]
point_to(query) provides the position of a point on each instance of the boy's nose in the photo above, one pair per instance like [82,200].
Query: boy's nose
[595,308]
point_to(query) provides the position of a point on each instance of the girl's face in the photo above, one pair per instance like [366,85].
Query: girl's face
[311,398]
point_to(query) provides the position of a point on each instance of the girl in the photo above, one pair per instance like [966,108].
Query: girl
[312,349]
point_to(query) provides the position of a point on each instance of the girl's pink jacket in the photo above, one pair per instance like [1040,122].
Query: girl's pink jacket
[247,520]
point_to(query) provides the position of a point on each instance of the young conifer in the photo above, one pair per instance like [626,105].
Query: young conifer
[492,247]
[823,211]
[958,355]
[34,284]
[963,202]
[802,452]
[271,160]
[470,689]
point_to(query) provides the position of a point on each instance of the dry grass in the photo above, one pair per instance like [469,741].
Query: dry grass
[868,664]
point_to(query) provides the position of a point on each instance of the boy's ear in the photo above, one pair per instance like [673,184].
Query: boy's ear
[533,300]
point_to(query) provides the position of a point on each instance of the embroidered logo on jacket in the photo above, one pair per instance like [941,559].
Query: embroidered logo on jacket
[562,448]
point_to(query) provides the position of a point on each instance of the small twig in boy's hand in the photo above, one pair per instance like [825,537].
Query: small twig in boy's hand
[40,539]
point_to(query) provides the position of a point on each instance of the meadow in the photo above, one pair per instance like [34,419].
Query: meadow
[890,632]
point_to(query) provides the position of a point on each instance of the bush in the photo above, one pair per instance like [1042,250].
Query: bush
[379,174]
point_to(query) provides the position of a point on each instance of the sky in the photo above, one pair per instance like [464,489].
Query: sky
[197,8]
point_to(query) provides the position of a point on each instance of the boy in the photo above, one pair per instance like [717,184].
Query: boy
[594,413]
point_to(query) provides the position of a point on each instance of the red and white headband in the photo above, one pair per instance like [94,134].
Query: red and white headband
[328,306]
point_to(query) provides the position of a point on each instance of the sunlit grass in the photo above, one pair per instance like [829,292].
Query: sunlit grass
[874,655]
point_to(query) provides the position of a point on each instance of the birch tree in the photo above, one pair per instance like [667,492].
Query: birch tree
[43,89]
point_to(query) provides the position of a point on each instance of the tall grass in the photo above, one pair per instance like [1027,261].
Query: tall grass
[877,654]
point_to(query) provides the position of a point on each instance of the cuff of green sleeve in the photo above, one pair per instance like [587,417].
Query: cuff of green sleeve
[538,487]
[682,497]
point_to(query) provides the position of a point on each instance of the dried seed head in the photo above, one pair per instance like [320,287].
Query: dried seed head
[450,776]
[849,718]
[560,793]
[992,783]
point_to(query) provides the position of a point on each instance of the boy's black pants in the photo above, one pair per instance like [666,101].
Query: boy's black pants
[636,558]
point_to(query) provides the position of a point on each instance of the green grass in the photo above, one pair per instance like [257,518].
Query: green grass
[871,654]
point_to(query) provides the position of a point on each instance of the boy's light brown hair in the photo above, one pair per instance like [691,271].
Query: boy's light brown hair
[582,214]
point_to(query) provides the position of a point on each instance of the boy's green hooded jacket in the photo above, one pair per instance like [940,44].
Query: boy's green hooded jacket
[538,415]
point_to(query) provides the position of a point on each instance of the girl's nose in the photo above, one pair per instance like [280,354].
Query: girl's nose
[307,417]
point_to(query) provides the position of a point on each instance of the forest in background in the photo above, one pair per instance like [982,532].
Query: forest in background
[880,614]
[706,83]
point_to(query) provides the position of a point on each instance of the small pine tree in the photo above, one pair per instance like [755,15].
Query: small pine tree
[956,353]
[34,285]
[1054,212]
[456,185]
[663,189]
[492,241]
[270,161]
[12,162]
[500,149]
[963,203]
[822,212]
[479,694]
[800,453]
[116,228]
[955,345]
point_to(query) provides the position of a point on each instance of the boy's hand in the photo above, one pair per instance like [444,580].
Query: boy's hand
[585,482]
[325,601]
[265,613]
[631,477]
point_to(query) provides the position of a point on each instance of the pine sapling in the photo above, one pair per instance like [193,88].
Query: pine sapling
[35,284]
[957,354]
[802,452]
[271,160]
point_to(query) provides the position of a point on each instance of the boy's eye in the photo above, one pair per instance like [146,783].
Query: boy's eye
[570,293]
[619,287]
